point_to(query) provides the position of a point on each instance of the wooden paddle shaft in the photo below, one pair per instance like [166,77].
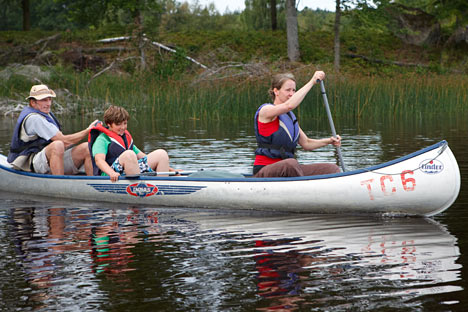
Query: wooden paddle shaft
[330,120]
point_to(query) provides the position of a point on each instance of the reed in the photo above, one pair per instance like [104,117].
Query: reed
[365,97]
[349,96]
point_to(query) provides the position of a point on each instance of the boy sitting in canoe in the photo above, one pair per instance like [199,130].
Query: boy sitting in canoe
[113,152]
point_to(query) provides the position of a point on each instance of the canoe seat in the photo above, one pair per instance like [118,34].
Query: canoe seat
[215,174]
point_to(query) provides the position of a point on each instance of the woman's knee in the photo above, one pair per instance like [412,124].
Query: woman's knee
[320,168]
[291,168]
[331,168]
[336,169]
[285,168]
[290,162]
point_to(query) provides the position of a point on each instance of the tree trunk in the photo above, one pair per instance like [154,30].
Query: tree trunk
[139,35]
[26,15]
[291,27]
[337,36]
[274,23]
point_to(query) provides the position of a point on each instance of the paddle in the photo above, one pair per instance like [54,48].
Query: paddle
[154,174]
[330,120]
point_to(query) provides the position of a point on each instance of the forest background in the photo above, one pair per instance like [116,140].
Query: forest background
[188,60]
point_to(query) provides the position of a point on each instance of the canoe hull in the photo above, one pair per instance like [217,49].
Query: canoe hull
[423,183]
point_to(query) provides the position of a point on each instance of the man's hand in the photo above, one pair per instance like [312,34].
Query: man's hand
[93,124]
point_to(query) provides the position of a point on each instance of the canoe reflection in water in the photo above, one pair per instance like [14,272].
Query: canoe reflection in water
[45,237]
[89,257]
[331,261]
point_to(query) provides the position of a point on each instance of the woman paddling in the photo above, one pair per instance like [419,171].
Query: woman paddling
[278,133]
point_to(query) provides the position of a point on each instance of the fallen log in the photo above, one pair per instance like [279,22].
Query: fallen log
[107,49]
[154,43]
[115,39]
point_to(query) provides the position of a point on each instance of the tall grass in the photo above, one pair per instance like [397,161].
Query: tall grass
[166,99]
[349,97]
[400,96]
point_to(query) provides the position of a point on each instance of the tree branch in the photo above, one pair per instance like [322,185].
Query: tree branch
[119,60]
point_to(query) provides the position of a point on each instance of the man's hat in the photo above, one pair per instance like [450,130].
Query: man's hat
[40,92]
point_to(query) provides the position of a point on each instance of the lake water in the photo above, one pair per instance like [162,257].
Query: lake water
[84,256]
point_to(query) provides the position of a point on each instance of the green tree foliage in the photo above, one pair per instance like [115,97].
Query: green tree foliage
[175,15]
[10,15]
[441,8]
[315,20]
[184,17]
[369,15]
[451,14]
[85,13]
[97,13]
[50,15]
[151,16]
[45,15]
[257,15]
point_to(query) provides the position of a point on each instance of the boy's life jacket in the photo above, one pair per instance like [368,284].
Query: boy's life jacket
[118,145]
[24,146]
[281,143]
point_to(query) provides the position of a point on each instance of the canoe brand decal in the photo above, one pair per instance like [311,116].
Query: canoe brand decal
[433,166]
[142,189]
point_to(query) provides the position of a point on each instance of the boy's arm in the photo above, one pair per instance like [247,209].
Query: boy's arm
[139,153]
[100,160]
[99,151]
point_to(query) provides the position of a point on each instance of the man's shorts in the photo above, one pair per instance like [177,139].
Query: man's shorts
[142,164]
[41,165]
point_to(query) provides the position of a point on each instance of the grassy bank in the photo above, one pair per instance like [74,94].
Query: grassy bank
[350,96]
[240,66]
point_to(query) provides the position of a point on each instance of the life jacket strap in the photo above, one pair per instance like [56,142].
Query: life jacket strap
[22,148]
[280,148]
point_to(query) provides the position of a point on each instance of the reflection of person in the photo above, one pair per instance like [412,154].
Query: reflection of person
[37,250]
[38,144]
[280,274]
[110,253]
[278,133]
[113,151]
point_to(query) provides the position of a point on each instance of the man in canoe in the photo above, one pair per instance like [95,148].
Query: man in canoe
[38,144]
[113,152]
[278,133]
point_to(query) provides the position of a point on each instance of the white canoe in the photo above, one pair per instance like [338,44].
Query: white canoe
[423,183]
